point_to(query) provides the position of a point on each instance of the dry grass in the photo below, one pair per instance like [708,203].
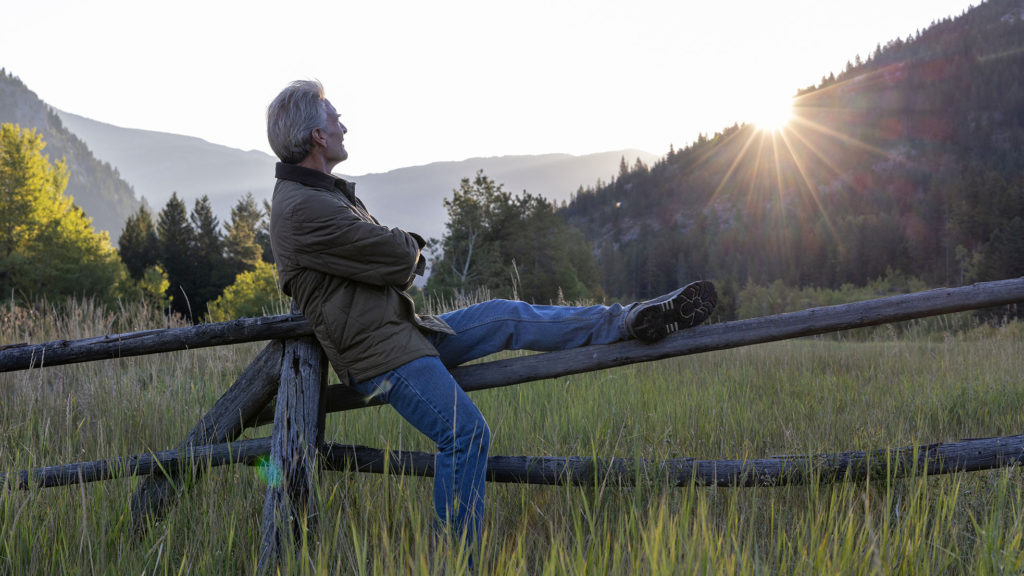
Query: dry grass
[806,396]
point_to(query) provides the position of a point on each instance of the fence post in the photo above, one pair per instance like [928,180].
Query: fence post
[291,471]
[235,410]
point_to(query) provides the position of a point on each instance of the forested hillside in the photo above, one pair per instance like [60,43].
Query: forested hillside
[909,161]
[96,186]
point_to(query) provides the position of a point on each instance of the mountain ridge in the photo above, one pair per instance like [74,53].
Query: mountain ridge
[113,169]
[409,197]
[96,186]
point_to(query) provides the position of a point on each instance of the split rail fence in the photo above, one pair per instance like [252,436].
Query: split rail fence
[287,384]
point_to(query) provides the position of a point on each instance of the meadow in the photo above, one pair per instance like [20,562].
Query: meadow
[941,380]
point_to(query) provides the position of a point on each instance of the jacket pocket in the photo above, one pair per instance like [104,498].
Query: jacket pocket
[337,312]
[370,308]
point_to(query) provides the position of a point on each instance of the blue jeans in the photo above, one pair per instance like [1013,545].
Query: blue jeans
[426,395]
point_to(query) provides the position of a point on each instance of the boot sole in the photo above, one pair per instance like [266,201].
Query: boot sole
[687,307]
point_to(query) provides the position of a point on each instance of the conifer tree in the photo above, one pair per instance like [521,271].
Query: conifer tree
[263,234]
[211,275]
[241,249]
[176,241]
[138,243]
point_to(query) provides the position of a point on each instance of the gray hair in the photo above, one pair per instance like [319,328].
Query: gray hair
[291,118]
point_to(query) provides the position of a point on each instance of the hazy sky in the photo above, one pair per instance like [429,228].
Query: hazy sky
[423,81]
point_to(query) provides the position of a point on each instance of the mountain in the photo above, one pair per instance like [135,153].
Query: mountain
[411,198]
[96,186]
[159,164]
[907,162]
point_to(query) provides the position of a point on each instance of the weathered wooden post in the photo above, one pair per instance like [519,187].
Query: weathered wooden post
[292,467]
[233,412]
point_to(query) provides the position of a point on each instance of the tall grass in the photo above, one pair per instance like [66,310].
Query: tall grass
[797,397]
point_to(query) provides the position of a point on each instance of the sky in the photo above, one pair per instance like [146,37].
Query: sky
[425,81]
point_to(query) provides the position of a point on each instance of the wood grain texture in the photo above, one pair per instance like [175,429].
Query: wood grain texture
[292,467]
[970,455]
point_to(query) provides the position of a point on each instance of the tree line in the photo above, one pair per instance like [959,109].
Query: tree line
[182,260]
[204,270]
[189,249]
[514,246]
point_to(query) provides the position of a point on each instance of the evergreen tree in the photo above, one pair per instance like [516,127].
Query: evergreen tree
[177,241]
[623,167]
[211,274]
[138,243]
[1003,255]
[241,249]
[263,234]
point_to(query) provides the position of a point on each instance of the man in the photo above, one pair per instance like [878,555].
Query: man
[349,276]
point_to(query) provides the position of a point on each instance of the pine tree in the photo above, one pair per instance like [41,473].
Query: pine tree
[263,234]
[138,243]
[211,274]
[469,257]
[176,241]
[241,249]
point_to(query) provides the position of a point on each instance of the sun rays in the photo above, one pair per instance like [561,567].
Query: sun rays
[793,154]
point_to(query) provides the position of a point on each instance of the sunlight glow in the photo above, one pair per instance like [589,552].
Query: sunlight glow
[771,113]
[769,160]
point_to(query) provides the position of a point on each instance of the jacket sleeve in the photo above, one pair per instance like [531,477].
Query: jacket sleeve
[332,239]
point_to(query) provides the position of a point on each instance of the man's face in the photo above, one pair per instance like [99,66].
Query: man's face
[334,133]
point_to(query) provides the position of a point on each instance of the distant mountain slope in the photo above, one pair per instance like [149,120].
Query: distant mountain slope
[412,198]
[158,164]
[910,161]
[96,186]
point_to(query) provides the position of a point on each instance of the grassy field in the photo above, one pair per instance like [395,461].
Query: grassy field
[921,384]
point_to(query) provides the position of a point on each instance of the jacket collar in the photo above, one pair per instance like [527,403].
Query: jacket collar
[315,179]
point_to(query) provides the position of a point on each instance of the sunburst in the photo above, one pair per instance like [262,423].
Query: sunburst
[771,114]
[787,139]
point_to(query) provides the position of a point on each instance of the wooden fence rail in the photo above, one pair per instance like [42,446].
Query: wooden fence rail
[726,335]
[23,356]
[969,455]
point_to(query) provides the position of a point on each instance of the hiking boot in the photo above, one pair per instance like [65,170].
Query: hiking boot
[687,307]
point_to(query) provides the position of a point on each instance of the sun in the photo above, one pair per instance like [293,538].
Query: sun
[771,114]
